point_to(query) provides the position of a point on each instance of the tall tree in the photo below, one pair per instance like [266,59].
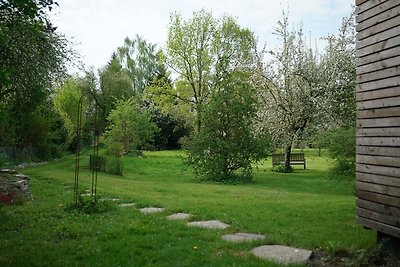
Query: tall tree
[32,57]
[202,51]
[292,88]
[140,60]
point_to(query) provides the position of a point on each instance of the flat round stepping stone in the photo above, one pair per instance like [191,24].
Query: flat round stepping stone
[179,216]
[242,237]
[127,204]
[282,254]
[213,224]
[151,210]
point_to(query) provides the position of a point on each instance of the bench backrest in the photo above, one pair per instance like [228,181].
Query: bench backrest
[278,157]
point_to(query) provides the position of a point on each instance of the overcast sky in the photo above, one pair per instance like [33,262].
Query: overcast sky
[98,27]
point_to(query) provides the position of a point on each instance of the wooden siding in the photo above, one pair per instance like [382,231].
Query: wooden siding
[378,115]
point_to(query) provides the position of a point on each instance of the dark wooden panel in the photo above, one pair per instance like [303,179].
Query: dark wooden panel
[378,188]
[390,23]
[379,217]
[377,94]
[378,75]
[381,227]
[378,160]
[378,179]
[390,33]
[379,55]
[379,198]
[378,132]
[379,170]
[383,209]
[382,45]
[379,18]
[378,113]
[376,150]
[364,5]
[381,122]
[379,65]
[376,10]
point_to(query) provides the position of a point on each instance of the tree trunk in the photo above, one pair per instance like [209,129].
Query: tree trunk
[288,154]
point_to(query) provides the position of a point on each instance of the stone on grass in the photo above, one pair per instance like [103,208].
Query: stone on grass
[242,237]
[150,210]
[213,224]
[282,254]
[126,204]
[179,216]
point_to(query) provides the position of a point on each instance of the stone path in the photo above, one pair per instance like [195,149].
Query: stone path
[213,224]
[179,216]
[242,237]
[127,204]
[280,254]
[151,210]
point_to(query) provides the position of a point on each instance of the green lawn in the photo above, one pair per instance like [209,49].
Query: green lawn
[305,209]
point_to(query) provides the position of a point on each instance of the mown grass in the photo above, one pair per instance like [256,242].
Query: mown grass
[305,209]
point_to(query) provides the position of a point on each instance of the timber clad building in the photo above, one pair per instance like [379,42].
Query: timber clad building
[378,116]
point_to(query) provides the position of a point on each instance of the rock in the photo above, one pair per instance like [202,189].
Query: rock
[151,210]
[213,224]
[282,254]
[242,237]
[14,187]
[179,216]
[126,204]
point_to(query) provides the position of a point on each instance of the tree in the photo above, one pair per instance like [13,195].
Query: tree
[115,84]
[66,101]
[33,57]
[201,51]
[227,145]
[129,126]
[141,61]
[292,88]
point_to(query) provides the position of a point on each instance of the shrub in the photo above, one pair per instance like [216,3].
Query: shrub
[114,165]
[227,145]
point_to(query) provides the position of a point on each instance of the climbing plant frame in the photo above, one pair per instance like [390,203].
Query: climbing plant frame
[94,163]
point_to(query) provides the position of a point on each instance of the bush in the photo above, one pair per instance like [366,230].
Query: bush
[114,165]
[282,169]
[89,205]
[341,145]
[226,145]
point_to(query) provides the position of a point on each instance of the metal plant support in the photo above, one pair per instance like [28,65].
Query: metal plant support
[94,166]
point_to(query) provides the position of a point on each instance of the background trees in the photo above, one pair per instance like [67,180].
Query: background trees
[202,50]
[32,57]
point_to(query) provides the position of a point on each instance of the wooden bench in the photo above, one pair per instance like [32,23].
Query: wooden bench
[295,159]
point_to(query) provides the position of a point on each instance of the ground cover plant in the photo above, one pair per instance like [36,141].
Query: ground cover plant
[305,209]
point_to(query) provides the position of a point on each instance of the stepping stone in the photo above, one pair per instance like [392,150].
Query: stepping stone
[213,224]
[126,204]
[282,254]
[242,237]
[179,216]
[150,210]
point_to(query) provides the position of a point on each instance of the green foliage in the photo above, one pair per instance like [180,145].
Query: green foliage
[226,146]
[66,101]
[33,57]
[141,61]
[129,126]
[89,205]
[282,169]
[114,165]
[341,145]
[202,50]
[115,84]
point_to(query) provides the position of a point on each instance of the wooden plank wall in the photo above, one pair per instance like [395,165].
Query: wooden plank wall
[378,115]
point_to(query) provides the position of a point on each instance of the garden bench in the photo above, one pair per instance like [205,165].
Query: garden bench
[295,159]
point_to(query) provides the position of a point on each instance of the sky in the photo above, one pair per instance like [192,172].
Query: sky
[98,27]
